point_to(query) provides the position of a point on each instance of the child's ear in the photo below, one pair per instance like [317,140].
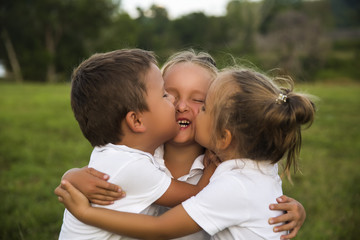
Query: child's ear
[135,122]
[225,140]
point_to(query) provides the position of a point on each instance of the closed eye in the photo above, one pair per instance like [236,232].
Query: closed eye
[198,100]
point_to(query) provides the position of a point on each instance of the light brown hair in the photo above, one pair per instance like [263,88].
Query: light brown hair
[105,88]
[202,59]
[264,128]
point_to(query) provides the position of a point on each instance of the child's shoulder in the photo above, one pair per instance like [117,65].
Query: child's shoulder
[114,156]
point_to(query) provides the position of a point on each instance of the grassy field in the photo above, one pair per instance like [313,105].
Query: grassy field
[40,140]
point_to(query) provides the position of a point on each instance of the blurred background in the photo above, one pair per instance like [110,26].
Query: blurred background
[44,39]
[317,42]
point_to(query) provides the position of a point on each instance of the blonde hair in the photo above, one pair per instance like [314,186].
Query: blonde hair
[202,59]
[264,128]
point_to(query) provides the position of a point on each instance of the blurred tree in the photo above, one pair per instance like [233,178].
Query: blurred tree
[43,40]
[297,42]
[7,23]
[51,36]
[13,60]
[242,25]
[270,8]
[312,10]
[200,31]
[122,32]
[191,29]
[346,13]
[154,26]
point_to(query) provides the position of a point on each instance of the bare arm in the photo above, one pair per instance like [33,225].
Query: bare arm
[293,219]
[93,184]
[180,191]
[174,223]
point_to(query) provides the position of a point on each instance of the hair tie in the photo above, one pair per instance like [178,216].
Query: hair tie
[281,98]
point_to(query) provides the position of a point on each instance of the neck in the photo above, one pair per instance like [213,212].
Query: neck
[228,154]
[138,140]
[179,159]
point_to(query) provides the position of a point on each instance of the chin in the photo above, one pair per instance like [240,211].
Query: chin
[200,143]
[179,139]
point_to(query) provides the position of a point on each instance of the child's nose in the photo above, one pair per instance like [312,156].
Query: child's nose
[181,106]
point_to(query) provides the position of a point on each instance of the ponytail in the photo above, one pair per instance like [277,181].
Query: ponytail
[264,119]
[297,110]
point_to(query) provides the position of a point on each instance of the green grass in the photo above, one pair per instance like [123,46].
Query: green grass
[329,187]
[40,140]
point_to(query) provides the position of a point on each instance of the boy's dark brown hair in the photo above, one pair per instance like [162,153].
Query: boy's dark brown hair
[105,88]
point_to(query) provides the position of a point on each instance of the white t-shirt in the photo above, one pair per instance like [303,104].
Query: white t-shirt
[192,177]
[136,172]
[235,204]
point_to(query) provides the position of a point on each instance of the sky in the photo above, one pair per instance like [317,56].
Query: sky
[177,8]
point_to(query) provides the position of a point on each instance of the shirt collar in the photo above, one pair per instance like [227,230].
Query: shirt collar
[195,167]
[130,150]
[243,164]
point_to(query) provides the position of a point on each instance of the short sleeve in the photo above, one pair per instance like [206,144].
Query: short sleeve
[221,204]
[143,183]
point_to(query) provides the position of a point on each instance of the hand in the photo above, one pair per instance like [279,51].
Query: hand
[73,199]
[293,219]
[93,184]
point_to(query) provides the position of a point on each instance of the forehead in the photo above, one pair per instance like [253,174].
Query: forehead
[188,72]
[153,77]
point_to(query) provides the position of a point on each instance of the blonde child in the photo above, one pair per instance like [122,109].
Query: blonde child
[250,124]
[187,76]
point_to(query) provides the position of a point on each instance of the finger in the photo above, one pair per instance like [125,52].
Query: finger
[99,191]
[60,199]
[284,199]
[100,202]
[98,174]
[110,195]
[291,235]
[61,193]
[281,206]
[66,185]
[110,187]
[281,219]
[286,227]
[116,194]
[100,197]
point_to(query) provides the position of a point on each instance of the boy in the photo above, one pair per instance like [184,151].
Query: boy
[119,101]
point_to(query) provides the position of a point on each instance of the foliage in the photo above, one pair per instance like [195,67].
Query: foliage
[273,33]
[40,140]
[58,33]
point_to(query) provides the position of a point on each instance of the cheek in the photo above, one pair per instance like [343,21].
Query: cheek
[195,108]
[170,108]
[198,121]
